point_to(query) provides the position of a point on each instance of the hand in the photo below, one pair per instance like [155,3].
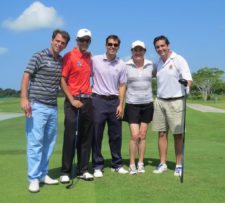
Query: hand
[26,107]
[77,104]
[119,112]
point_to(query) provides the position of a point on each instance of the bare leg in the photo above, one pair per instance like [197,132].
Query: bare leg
[141,144]
[162,145]
[178,142]
[134,130]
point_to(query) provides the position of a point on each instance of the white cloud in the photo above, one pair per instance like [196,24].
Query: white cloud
[3,50]
[36,16]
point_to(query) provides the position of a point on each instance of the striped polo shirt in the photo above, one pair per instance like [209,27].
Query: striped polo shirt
[45,75]
[139,83]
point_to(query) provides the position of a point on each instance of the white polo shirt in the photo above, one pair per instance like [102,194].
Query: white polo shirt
[168,75]
[139,83]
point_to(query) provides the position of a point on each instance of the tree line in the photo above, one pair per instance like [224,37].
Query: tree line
[207,82]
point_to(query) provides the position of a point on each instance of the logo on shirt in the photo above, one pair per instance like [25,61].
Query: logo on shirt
[171,66]
[79,64]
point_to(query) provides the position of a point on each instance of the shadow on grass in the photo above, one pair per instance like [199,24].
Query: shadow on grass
[56,172]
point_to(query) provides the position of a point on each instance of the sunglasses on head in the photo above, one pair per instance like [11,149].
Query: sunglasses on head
[82,40]
[112,44]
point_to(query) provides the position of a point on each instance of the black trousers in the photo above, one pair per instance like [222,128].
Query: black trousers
[84,138]
[105,112]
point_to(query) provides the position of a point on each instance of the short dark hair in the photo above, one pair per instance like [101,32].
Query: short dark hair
[64,34]
[114,37]
[161,37]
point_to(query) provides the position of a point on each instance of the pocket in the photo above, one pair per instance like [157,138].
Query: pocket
[177,105]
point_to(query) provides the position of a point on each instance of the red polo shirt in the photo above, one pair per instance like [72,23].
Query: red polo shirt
[77,71]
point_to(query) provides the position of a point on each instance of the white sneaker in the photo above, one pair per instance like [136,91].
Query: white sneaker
[64,179]
[141,168]
[49,181]
[98,173]
[160,168]
[86,176]
[34,186]
[132,170]
[119,170]
[178,171]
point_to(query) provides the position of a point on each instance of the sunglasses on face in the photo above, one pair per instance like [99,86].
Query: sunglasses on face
[138,49]
[113,44]
[82,40]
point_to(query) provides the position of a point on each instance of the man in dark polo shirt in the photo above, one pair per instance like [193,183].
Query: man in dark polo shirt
[39,89]
[75,83]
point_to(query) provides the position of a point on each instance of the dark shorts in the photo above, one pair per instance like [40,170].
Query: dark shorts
[138,113]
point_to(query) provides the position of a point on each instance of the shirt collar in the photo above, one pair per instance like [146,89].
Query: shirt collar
[146,63]
[79,53]
[49,53]
[171,57]
[114,60]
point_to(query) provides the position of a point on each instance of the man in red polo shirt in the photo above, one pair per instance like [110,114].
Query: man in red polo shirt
[75,83]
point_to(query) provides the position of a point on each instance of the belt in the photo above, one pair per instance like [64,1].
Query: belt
[82,96]
[106,97]
[171,98]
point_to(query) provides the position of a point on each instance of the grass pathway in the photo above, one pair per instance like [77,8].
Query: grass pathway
[4,116]
[204,108]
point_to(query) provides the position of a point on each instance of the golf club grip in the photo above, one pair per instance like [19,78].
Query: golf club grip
[183,82]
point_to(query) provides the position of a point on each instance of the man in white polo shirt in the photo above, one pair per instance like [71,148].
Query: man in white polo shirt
[169,103]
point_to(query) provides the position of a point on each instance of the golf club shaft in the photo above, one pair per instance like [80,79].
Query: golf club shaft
[185,98]
[71,185]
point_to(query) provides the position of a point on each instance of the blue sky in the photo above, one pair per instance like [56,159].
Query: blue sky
[195,28]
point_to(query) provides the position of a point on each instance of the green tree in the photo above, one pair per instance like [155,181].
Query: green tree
[208,80]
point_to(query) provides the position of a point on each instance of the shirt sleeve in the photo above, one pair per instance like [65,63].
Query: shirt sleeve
[34,64]
[66,65]
[184,69]
[123,74]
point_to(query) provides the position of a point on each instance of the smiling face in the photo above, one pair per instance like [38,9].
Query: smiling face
[162,49]
[138,53]
[112,47]
[83,43]
[58,44]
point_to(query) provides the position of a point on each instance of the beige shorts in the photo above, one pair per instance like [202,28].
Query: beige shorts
[168,115]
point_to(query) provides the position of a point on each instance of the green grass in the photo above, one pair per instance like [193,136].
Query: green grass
[11,104]
[204,167]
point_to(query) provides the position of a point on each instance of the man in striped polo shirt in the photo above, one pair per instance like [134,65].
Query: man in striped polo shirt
[39,90]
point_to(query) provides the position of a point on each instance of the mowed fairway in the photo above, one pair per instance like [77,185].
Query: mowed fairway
[204,179]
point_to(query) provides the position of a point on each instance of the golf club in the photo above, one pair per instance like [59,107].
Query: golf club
[71,185]
[184,83]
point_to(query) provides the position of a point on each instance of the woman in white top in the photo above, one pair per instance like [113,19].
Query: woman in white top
[139,103]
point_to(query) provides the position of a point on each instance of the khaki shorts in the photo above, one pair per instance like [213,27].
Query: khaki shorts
[168,115]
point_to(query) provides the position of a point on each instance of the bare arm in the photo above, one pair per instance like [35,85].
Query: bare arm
[189,83]
[74,102]
[24,102]
[119,110]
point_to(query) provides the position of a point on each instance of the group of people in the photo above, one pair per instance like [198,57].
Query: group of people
[88,106]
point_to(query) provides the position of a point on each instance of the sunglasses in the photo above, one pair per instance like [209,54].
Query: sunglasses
[113,44]
[82,40]
[138,49]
